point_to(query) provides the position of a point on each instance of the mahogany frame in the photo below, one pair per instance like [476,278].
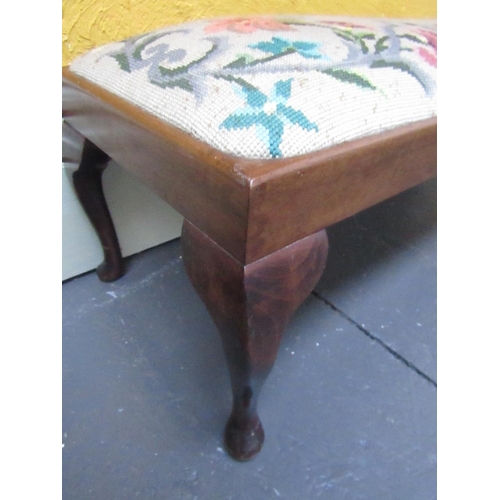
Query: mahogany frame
[249,212]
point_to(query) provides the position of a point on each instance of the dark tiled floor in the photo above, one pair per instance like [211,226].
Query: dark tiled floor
[349,409]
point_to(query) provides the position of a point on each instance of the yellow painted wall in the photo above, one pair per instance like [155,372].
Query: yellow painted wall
[89,23]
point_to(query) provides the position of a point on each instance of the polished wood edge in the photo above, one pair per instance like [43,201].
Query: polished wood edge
[253,171]
[203,151]
[303,188]
[294,202]
[262,171]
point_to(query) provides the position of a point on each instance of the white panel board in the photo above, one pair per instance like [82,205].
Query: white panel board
[142,220]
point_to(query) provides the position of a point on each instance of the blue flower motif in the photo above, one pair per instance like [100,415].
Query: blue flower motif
[279,46]
[269,114]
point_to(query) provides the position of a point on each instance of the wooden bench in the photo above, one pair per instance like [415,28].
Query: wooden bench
[261,132]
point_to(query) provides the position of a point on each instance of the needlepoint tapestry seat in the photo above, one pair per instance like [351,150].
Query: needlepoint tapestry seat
[275,87]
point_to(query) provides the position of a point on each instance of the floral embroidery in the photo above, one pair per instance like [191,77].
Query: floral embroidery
[246,25]
[430,37]
[429,55]
[209,76]
[350,77]
[345,31]
[139,52]
[279,47]
[269,113]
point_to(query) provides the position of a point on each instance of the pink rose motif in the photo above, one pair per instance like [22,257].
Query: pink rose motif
[246,25]
[428,56]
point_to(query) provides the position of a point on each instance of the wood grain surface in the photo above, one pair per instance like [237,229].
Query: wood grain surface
[251,306]
[251,207]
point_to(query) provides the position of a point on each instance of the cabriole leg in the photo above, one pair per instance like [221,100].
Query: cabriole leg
[251,305]
[88,186]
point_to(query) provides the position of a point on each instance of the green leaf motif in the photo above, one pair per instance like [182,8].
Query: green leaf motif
[122,60]
[400,66]
[240,81]
[357,38]
[346,35]
[173,72]
[380,46]
[182,83]
[238,63]
[183,69]
[349,77]
[364,47]
[255,62]
[411,38]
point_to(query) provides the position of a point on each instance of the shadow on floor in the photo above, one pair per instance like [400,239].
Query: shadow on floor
[146,391]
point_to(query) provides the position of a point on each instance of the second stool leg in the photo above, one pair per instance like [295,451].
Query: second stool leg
[88,186]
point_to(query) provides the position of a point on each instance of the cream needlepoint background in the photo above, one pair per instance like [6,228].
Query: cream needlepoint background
[275,86]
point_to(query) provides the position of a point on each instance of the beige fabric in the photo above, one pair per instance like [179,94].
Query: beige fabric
[269,87]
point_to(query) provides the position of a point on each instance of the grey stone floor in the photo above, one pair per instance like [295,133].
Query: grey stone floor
[349,409]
